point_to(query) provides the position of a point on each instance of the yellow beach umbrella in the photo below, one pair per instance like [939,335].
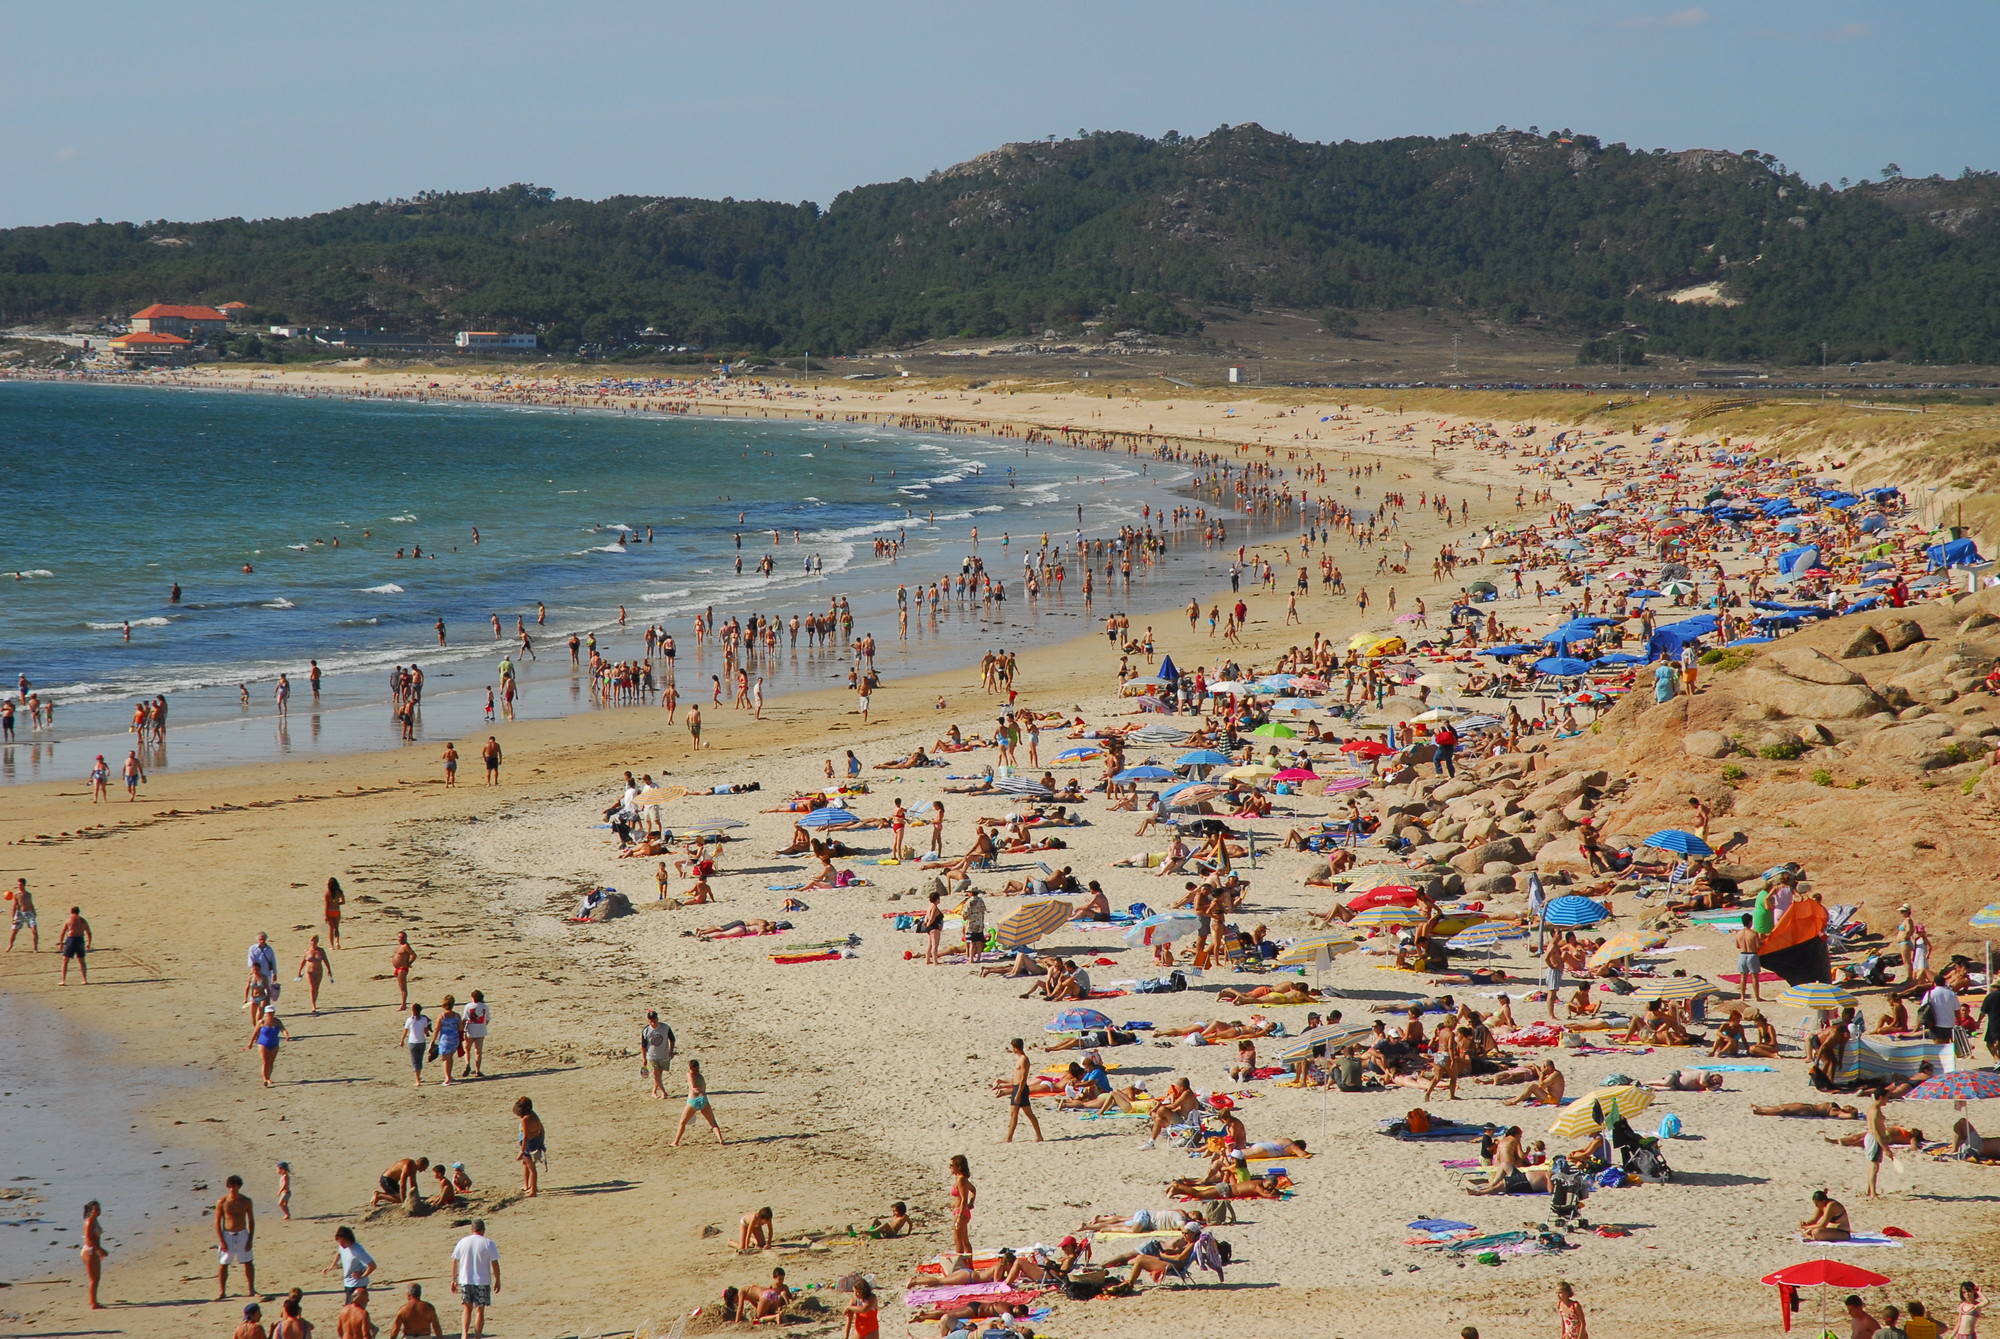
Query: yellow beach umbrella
[1625,945]
[1381,918]
[1029,923]
[1673,988]
[1582,1116]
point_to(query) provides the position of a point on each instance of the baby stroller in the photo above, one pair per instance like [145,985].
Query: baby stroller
[1568,1189]
[1640,1155]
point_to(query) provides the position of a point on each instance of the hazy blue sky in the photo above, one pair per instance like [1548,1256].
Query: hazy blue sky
[187,110]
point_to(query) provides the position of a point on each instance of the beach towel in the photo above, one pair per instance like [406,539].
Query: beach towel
[1739,1069]
[1736,979]
[1861,1239]
[1439,1225]
[787,959]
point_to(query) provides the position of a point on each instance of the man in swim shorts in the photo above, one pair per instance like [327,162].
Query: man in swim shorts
[24,917]
[76,942]
[235,1234]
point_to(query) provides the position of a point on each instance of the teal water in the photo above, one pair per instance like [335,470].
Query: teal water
[118,493]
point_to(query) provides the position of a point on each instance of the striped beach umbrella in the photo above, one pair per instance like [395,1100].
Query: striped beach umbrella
[1023,785]
[1292,706]
[1679,842]
[1302,953]
[1081,753]
[1963,1085]
[1586,1114]
[1816,995]
[1029,923]
[829,818]
[1078,1020]
[1573,911]
[1332,1036]
[1673,988]
[1486,935]
[1162,929]
[713,825]
[1159,734]
[1343,784]
[1987,917]
[1380,918]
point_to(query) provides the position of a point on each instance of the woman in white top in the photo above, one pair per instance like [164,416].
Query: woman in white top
[477,1016]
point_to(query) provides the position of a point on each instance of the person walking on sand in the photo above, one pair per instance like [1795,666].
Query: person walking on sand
[477,1016]
[656,1051]
[135,772]
[931,921]
[450,766]
[697,1104]
[100,777]
[24,917]
[314,967]
[693,720]
[475,1277]
[401,959]
[336,898]
[76,942]
[94,1250]
[1569,1314]
[491,755]
[534,1146]
[269,1030]
[1019,1103]
[1875,1143]
[416,1035]
[963,1195]
[235,1237]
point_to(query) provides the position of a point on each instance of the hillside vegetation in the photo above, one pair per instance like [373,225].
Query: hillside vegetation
[1552,230]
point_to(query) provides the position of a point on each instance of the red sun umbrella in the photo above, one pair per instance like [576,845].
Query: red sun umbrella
[1367,748]
[1389,894]
[1830,1273]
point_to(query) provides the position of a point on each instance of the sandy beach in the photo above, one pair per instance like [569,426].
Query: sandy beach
[845,1084]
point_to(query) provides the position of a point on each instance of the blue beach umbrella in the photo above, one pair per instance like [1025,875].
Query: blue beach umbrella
[1513,649]
[1562,667]
[1079,1020]
[1202,758]
[1679,842]
[1146,772]
[1573,911]
[828,818]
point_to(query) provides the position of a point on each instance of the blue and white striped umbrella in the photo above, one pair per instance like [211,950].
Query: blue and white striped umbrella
[1486,935]
[1679,842]
[1573,911]
[829,818]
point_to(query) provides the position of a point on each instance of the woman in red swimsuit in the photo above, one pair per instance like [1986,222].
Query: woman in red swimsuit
[963,1193]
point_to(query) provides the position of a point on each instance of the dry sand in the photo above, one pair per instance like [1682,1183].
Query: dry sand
[842,1085]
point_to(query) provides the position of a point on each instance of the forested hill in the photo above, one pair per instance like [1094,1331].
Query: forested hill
[1556,230]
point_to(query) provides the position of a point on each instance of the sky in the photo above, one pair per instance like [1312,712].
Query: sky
[195,110]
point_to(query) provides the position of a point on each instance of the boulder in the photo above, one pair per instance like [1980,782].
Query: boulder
[1706,744]
[611,906]
[1924,745]
[1479,831]
[1560,791]
[1902,633]
[1982,619]
[1475,858]
[1454,788]
[1578,809]
[1551,823]
[1560,856]
[1867,641]
[1914,713]
[1795,697]
[1441,852]
[1516,824]
[1811,666]
[1490,885]
[1498,867]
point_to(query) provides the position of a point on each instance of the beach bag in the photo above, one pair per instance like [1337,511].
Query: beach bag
[1218,1211]
[1083,1286]
[1418,1121]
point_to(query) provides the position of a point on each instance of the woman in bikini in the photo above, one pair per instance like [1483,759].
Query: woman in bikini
[963,1196]
[315,967]
[697,1104]
[93,1250]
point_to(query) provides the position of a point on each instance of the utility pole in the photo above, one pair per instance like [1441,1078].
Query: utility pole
[1454,355]
[1822,371]
[1260,362]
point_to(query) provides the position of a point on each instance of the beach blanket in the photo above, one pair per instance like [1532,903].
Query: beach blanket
[1739,1069]
[787,959]
[999,1293]
[1861,1239]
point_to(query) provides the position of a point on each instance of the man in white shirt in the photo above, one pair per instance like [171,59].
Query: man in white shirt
[475,1277]
[1941,1002]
